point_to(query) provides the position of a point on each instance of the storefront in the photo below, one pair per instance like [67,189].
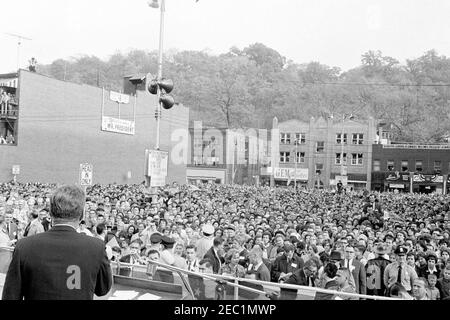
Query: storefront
[399,181]
[428,183]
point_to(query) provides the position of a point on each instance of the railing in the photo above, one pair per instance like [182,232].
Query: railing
[198,286]
[247,289]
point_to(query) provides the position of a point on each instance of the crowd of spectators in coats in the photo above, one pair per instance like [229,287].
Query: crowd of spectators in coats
[384,244]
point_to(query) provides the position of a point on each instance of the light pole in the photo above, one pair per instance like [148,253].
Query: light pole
[295,164]
[155,4]
[344,117]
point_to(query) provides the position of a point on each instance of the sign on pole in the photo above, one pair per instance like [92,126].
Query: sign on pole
[86,173]
[157,167]
[15,169]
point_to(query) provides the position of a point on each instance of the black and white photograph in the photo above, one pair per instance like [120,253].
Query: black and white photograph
[225,155]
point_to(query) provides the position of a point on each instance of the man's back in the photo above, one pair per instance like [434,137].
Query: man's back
[58,265]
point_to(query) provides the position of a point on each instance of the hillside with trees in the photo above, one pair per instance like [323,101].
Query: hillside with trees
[248,87]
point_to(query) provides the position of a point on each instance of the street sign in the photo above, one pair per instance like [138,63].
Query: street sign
[86,173]
[157,162]
[15,169]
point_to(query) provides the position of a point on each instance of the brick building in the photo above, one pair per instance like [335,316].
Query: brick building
[61,125]
[224,156]
[318,146]
[418,167]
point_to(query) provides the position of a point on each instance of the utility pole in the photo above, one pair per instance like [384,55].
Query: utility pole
[19,42]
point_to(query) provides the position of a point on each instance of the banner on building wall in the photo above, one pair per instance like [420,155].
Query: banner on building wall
[291,173]
[157,162]
[118,125]
[428,178]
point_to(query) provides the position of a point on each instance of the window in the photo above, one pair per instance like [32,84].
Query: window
[341,138]
[405,166]
[357,138]
[376,165]
[320,146]
[300,157]
[284,157]
[319,167]
[300,138]
[357,159]
[390,165]
[285,138]
[338,159]
[419,165]
[437,166]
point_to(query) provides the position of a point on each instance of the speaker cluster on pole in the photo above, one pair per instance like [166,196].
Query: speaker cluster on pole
[165,87]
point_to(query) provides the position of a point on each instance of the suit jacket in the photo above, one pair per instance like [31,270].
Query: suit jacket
[210,255]
[298,278]
[281,265]
[262,273]
[36,227]
[13,231]
[359,276]
[60,264]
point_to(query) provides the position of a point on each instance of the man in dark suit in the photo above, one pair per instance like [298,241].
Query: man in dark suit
[305,276]
[286,265]
[10,227]
[356,268]
[60,264]
[214,254]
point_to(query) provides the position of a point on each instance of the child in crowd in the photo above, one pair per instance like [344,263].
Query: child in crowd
[432,291]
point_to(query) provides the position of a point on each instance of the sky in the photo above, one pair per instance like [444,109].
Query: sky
[332,32]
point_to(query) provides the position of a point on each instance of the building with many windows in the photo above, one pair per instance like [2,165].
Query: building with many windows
[225,156]
[321,152]
[420,168]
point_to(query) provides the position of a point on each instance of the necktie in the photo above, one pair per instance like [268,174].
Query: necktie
[399,275]
[7,227]
[189,266]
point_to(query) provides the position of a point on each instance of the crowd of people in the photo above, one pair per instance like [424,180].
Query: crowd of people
[384,244]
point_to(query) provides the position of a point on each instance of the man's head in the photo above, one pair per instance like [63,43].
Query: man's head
[67,204]
[255,255]
[419,288]
[446,272]
[8,216]
[153,255]
[342,276]
[205,266]
[191,252]
[349,252]
[310,268]
[400,254]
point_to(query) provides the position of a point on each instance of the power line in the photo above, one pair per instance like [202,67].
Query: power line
[374,84]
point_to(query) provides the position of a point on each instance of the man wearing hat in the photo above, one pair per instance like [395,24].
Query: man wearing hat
[206,241]
[155,243]
[375,271]
[399,271]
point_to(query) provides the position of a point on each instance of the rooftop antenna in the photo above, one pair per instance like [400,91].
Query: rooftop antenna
[19,42]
